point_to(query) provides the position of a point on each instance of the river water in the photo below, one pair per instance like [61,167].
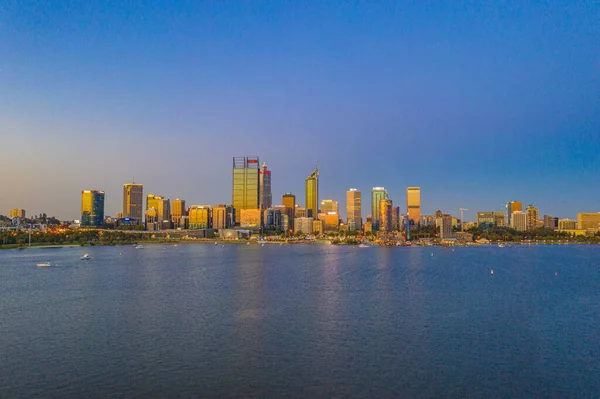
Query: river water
[304,321]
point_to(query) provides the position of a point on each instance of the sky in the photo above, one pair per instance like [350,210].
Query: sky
[478,103]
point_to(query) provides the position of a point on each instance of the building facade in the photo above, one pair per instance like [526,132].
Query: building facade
[133,201]
[178,212]
[446,226]
[490,218]
[511,207]
[92,208]
[377,194]
[533,215]
[17,213]
[246,184]
[550,222]
[266,198]
[199,217]
[304,225]
[588,221]
[312,194]
[328,205]
[289,202]
[567,224]
[162,206]
[353,209]
[385,215]
[413,204]
[518,221]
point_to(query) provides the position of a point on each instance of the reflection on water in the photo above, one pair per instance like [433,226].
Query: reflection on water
[300,321]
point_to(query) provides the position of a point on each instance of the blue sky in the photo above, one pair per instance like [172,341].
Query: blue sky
[477,103]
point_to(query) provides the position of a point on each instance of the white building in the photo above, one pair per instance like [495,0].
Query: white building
[518,221]
[303,224]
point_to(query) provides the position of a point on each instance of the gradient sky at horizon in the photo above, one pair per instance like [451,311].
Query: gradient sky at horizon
[478,103]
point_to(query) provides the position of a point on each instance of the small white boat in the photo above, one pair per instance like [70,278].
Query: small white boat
[45,264]
[492,272]
[140,246]
[500,245]
[247,243]
[86,257]
[215,243]
[262,245]
[364,246]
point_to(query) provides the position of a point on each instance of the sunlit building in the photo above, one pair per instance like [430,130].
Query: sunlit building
[332,221]
[266,199]
[17,213]
[354,209]
[163,208]
[385,215]
[377,194]
[328,205]
[550,222]
[222,216]
[368,226]
[511,207]
[312,194]
[396,226]
[289,202]
[490,218]
[177,213]
[446,226]
[567,224]
[588,220]
[318,226]
[92,208]
[518,221]
[300,212]
[133,201]
[413,204]
[304,225]
[250,219]
[199,217]
[246,185]
[273,220]
[533,216]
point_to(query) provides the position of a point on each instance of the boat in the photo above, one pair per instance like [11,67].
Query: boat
[45,264]
[363,245]
[492,272]
[140,246]
[262,245]
[86,257]
[500,245]
[215,243]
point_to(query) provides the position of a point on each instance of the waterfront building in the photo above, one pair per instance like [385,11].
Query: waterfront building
[222,216]
[429,220]
[413,204]
[511,207]
[151,217]
[490,218]
[318,226]
[300,212]
[250,219]
[533,216]
[200,217]
[328,205]
[332,221]
[266,199]
[354,209]
[273,219]
[368,226]
[162,206]
[246,185]
[518,221]
[289,202]
[312,194]
[17,213]
[304,225]
[588,220]
[92,208]
[177,212]
[377,194]
[567,224]
[446,226]
[550,222]
[133,201]
[385,215]
[396,225]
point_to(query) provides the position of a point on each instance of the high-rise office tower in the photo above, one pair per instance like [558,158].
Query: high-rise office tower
[199,217]
[385,215]
[328,205]
[396,218]
[533,216]
[222,216]
[511,207]
[266,199]
[17,213]
[377,194]
[586,220]
[289,202]
[246,185]
[353,209]
[446,226]
[133,201]
[92,208]
[550,222]
[413,204]
[162,206]
[518,221]
[312,194]
[177,212]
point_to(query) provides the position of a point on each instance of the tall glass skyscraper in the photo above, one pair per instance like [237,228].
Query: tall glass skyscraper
[353,209]
[266,199]
[413,204]
[92,208]
[385,215]
[377,194]
[246,185]
[312,194]
[133,201]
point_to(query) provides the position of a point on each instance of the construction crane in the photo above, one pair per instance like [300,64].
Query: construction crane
[462,219]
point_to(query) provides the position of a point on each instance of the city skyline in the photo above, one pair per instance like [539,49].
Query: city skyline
[477,104]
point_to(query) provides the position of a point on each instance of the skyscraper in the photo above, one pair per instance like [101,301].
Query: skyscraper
[385,215]
[162,206]
[353,209]
[518,221]
[511,207]
[377,194]
[246,185]
[328,205]
[177,212]
[533,216]
[396,218]
[92,208]
[17,213]
[413,204]
[200,217]
[289,202]
[312,194]
[266,199]
[133,201]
